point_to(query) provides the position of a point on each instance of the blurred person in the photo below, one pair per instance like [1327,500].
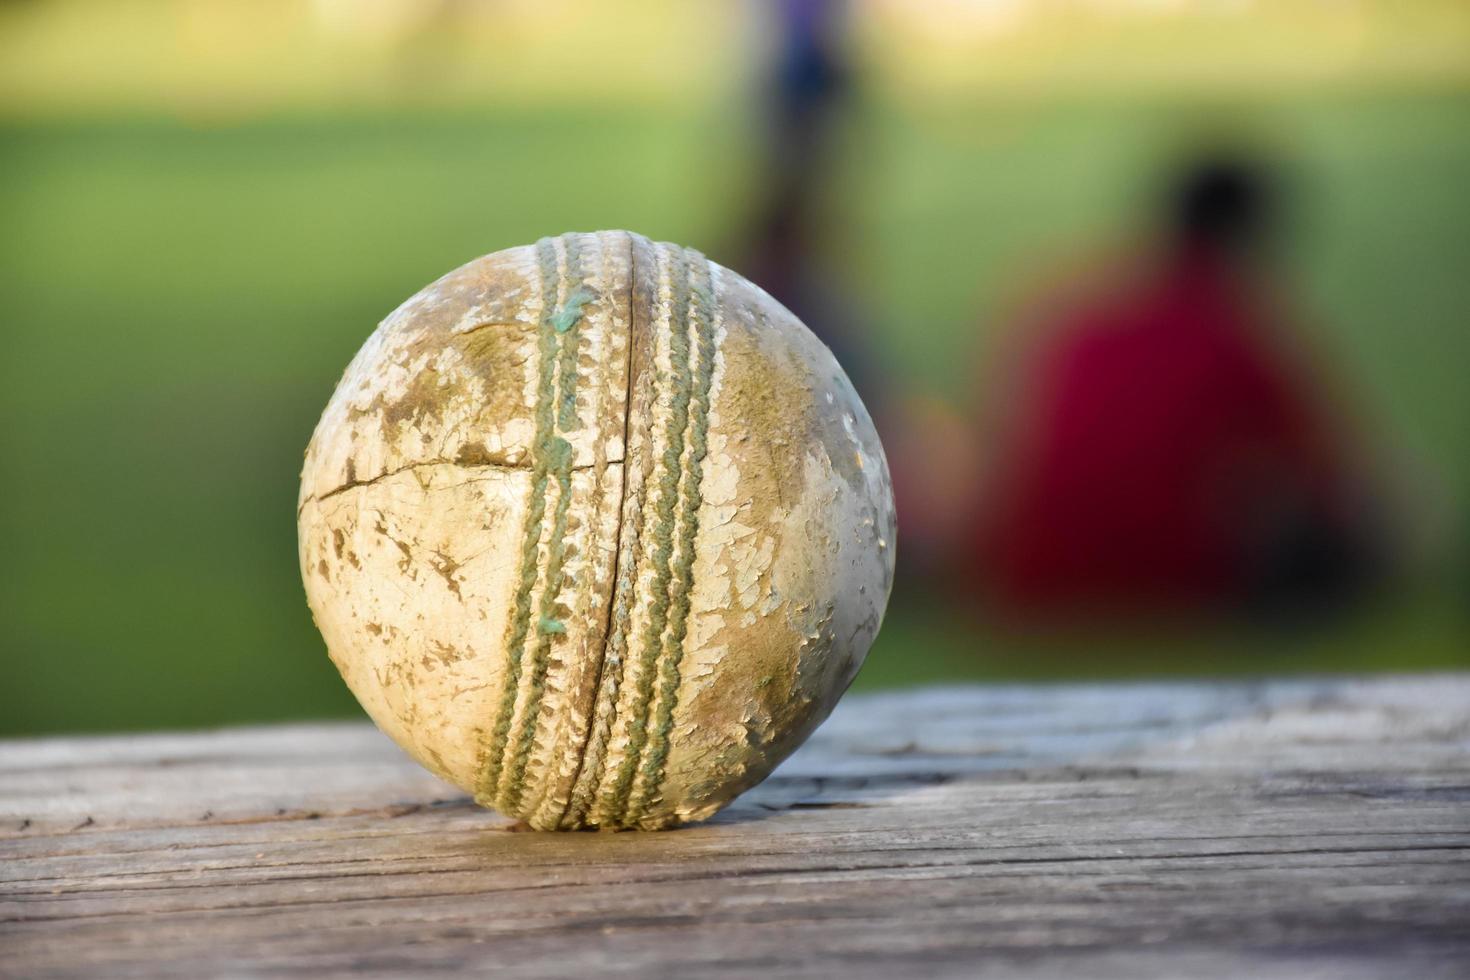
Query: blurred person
[808,89]
[1160,450]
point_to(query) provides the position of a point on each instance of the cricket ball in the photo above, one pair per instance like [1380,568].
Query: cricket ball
[597,531]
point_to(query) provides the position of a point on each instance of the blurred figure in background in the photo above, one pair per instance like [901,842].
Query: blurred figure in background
[1159,451]
[806,88]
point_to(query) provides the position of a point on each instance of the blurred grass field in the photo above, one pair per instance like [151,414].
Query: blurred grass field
[180,297]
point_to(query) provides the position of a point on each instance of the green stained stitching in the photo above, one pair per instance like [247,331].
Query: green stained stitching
[702,314]
[566,319]
[584,800]
[561,452]
[548,625]
[559,455]
[520,620]
[668,485]
[571,311]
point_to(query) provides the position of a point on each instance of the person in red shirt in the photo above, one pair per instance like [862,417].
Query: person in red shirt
[1160,450]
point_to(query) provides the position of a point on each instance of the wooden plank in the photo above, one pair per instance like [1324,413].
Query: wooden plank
[1282,828]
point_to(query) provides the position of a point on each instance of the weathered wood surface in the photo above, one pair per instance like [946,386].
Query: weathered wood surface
[1284,828]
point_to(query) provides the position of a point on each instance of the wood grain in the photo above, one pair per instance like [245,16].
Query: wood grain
[1281,828]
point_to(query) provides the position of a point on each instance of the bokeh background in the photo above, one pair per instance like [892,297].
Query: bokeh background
[206,206]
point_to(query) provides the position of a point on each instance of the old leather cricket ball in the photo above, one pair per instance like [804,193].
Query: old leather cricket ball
[596,530]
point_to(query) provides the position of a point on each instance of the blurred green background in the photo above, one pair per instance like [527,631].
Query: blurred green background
[205,207]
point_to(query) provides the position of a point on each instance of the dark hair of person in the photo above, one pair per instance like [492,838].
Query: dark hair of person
[1222,202]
